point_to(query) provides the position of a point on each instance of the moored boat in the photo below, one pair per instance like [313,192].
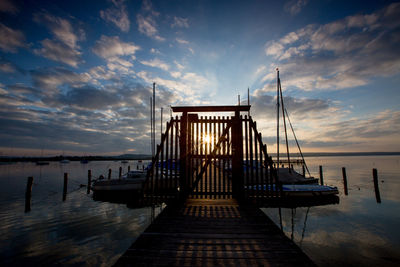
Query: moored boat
[302,190]
[131,181]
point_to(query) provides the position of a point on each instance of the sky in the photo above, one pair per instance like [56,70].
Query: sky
[76,76]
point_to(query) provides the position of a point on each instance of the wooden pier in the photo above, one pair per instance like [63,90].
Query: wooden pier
[208,232]
[211,171]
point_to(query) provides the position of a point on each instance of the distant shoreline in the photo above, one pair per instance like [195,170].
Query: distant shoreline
[148,157]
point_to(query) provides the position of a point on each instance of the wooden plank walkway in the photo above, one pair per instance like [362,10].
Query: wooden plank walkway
[205,232]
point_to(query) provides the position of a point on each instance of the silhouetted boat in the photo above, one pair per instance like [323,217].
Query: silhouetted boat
[302,190]
[131,181]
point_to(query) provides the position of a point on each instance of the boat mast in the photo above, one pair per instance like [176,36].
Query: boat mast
[154,119]
[248,98]
[284,124]
[277,120]
[151,127]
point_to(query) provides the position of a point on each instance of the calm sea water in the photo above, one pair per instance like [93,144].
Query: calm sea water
[358,231]
[80,231]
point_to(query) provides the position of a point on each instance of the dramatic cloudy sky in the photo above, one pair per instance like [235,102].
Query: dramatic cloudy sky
[76,76]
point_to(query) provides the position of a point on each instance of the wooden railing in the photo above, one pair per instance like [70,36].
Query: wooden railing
[209,170]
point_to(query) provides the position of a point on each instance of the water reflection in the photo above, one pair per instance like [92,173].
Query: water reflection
[78,231]
[357,231]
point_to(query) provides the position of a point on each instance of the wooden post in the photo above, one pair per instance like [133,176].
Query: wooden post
[321,176]
[345,181]
[376,185]
[109,174]
[304,170]
[129,168]
[183,154]
[120,172]
[65,186]
[237,156]
[28,194]
[89,181]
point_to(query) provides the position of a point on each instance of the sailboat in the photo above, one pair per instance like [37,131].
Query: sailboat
[293,183]
[287,175]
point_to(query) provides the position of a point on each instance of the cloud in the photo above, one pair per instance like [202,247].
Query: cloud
[156,63]
[180,23]
[8,67]
[341,54]
[64,48]
[295,6]
[61,29]
[155,51]
[49,79]
[297,107]
[8,7]
[182,41]
[110,47]
[90,97]
[117,15]
[59,52]
[11,40]
[146,21]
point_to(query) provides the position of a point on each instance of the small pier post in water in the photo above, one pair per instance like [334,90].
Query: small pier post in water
[346,192]
[321,176]
[65,186]
[109,174]
[129,168]
[120,172]
[89,181]
[376,185]
[28,194]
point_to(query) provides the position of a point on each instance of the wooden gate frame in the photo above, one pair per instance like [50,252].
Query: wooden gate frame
[237,146]
[253,179]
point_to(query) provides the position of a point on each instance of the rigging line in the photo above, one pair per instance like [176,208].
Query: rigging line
[295,138]
[284,123]
[304,227]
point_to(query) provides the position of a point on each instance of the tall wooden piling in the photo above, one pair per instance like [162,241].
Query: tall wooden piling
[89,181]
[109,174]
[28,194]
[376,185]
[321,176]
[65,186]
[345,181]
[129,168]
[120,172]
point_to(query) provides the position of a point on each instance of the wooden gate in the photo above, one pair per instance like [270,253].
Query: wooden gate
[212,157]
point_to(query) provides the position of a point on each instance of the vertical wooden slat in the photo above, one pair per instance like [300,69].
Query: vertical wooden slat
[162,167]
[171,133]
[167,168]
[205,154]
[261,181]
[201,152]
[214,163]
[219,159]
[256,159]
[246,134]
[251,157]
[176,152]
[156,182]
[210,178]
[224,144]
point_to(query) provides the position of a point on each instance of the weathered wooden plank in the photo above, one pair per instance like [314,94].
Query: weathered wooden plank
[200,233]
